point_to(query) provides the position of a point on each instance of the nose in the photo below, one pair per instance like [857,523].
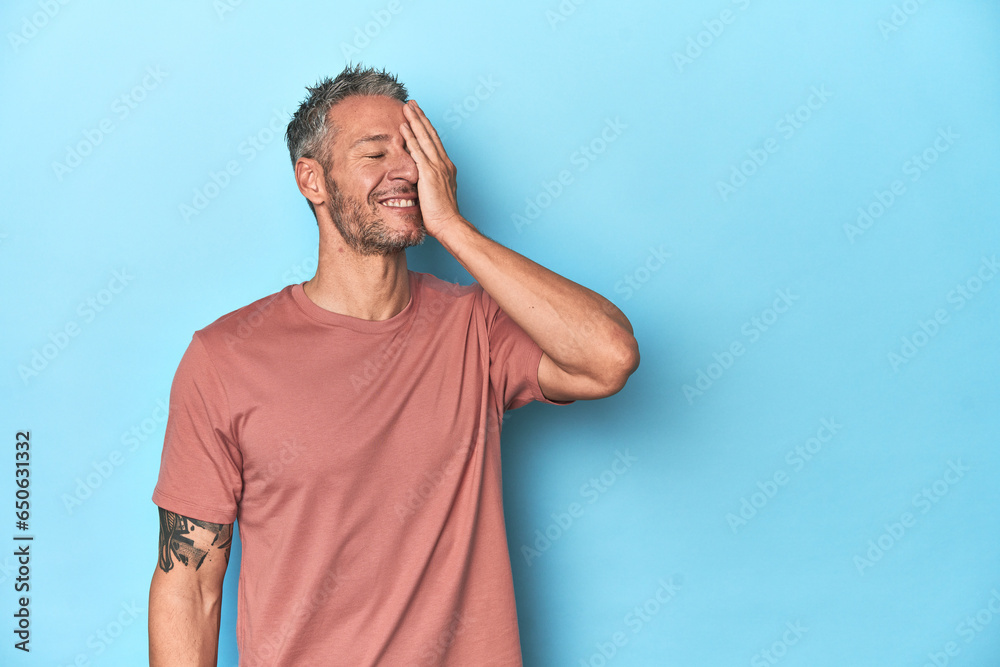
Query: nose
[401,165]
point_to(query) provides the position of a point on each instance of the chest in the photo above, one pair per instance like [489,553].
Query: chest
[338,413]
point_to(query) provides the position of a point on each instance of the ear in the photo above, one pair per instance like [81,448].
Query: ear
[309,177]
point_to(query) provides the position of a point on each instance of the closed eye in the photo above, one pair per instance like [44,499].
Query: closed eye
[376,156]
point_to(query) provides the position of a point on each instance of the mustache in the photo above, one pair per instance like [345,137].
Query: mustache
[389,195]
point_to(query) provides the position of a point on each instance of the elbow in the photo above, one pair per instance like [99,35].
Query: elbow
[622,362]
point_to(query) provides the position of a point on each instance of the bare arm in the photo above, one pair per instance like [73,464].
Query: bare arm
[588,345]
[185,597]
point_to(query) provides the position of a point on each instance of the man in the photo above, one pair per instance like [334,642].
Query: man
[351,423]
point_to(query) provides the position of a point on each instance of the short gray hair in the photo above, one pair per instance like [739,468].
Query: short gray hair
[309,128]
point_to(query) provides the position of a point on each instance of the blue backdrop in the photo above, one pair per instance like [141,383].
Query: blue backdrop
[794,203]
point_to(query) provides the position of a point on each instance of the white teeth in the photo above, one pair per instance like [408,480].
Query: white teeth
[399,203]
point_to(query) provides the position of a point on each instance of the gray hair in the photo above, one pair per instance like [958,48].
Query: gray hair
[310,127]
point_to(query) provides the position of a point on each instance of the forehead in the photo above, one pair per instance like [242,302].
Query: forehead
[362,116]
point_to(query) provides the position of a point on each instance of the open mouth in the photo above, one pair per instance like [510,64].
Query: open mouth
[405,203]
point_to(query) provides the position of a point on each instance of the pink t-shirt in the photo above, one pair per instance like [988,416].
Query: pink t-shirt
[362,462]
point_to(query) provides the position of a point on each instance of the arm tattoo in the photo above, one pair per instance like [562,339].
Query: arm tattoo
[178,535]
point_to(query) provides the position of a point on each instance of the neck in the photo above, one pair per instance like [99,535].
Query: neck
[369,287]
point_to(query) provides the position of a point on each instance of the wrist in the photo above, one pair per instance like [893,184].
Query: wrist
[455,233]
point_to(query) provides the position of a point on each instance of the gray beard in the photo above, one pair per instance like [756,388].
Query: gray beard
[364,230]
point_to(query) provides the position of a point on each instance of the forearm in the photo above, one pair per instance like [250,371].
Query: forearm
[584,336]
[183,624]
[580,330]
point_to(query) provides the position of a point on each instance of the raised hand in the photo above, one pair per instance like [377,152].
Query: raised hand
[436,184]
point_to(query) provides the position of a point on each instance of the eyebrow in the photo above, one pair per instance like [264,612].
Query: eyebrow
[371,138]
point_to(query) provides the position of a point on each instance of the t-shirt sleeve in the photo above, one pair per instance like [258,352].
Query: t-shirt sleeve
[201,466]
[514,359]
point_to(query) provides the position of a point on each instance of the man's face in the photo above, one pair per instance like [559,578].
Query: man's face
[371,179]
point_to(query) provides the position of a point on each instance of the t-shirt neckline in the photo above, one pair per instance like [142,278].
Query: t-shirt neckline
[330,318]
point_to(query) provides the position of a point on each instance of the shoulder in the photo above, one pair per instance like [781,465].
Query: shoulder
[434,287]
[437,293]
[241,323]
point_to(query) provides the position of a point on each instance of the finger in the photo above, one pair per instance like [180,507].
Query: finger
[419,130]
[429,127]
[413,144]
[423,130]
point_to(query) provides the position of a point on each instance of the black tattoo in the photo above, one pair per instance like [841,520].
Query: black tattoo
[187,539]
